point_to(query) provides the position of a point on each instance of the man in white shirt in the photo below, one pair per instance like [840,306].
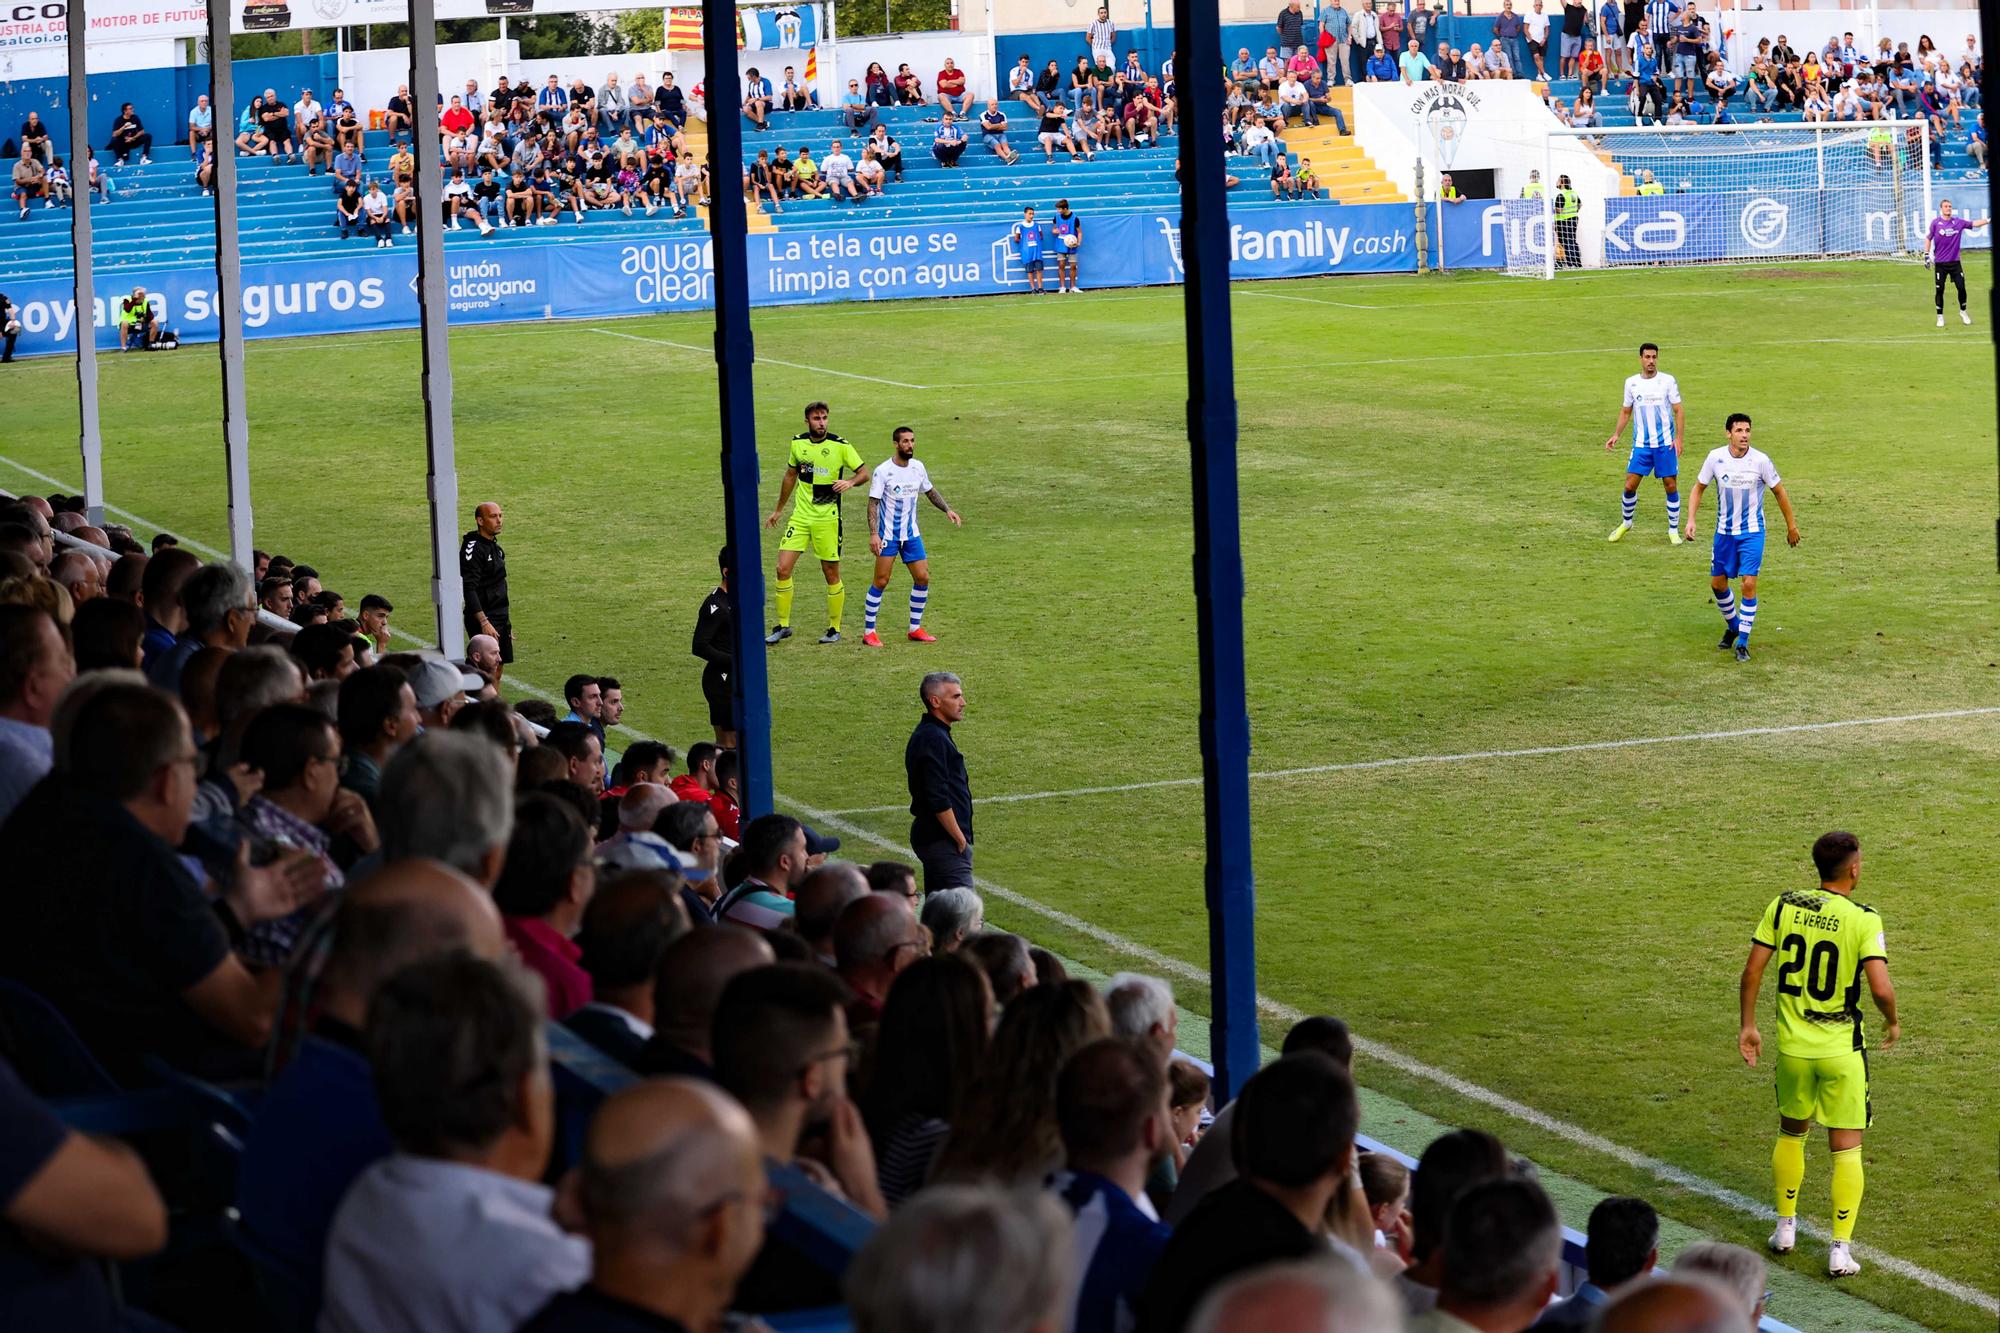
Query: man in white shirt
[1101,35]
[1296,101]
[1535,26]
[459,203]
[837,170]
[305,111]
[454,1233]
[28,699]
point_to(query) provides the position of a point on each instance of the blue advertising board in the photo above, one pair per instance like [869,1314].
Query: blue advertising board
[374,289]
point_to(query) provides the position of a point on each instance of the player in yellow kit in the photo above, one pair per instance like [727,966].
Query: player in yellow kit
[1828,947]
[817,459]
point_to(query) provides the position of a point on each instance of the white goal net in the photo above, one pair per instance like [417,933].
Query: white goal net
[1663,195]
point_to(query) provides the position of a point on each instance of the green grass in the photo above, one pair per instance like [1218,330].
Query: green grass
[1425,498]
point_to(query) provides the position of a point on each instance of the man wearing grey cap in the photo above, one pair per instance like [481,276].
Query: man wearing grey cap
[441,690]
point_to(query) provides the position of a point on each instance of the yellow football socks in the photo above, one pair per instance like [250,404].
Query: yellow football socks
[784,601]
[1846,1192]
[836,604]
[1788,1169]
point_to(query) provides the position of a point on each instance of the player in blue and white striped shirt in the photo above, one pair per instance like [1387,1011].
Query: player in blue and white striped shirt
[893,493]
[1653,406]
[1740,476]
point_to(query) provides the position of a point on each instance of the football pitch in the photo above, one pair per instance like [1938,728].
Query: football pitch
[1515,815]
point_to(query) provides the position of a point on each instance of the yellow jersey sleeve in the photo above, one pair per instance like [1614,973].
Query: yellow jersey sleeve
[850,458]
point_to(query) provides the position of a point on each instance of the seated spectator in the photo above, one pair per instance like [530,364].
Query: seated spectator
[35,669]
[299,805]
[1621,1248]
[857,113]
[1296,101]
[109,925]
[1498,64]
[757,100]
[72,1203]
[1385,1183]
[375,208]
[626,930]
[35,137]
[578,744]
[775,862]
[687,987]
[106,633]
[1187,1098]
[794,95]
[1142,1008]
[1683,1303]
[1452,1164]
[690,828]
[1413,64]
[953,916]
[543,890]
[899,879]
[782,1049]
[887,151]
[909,88]
[453,1231]
[1739,1269]
[928,1047]
[1004,959]
[993,132]
[912,1272]
[1111,1109]
[1503,1250]
[727,802]
[318,1126]
[821,897]
[671,1193]
[1007,1129]
[219,609]
[60,190]
[31,182]
[874,940]
[1294,1142]
[1309,1293]
[1381,68]
[129,136]
[324,652]
[378,716]
[869,173]
[952,88]
[441,689]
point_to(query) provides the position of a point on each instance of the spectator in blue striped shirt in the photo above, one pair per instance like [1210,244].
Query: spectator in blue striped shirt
[1111,1109]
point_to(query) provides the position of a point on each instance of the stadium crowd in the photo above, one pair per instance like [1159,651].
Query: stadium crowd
[354,889]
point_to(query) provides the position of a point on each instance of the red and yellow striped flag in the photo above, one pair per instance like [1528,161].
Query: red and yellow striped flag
[684,29]
[812,67]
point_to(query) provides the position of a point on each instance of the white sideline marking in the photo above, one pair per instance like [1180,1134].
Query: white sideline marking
[1583,1138]
[1312,300]
[1406,761]
[762,360]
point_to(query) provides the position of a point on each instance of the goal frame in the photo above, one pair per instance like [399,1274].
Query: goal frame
[1817,132]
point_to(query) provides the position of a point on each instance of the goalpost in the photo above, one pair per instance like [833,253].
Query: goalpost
[1676,195]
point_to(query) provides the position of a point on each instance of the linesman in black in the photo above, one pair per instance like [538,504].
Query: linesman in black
[482,568]
[715,644]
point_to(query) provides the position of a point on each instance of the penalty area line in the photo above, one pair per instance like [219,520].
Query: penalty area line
[762,360]
[1467,756]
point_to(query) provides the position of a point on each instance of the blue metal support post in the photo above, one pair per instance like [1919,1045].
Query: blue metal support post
[1218,563]
[735,356]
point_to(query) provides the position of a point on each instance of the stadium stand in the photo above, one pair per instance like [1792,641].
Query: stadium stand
[347,1138]
[158,216]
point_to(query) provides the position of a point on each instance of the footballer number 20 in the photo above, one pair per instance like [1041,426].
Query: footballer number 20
[1819,970]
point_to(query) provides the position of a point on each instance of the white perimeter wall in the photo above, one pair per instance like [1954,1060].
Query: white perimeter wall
[105,57]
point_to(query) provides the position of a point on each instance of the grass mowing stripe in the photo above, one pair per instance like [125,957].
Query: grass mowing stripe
[762,360]
[1404,761]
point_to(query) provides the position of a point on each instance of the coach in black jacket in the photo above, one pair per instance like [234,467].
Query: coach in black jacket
[940,792]
[482,569]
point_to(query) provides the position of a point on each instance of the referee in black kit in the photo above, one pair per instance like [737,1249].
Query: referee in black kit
[940,791]
[715,645]
[482,569]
